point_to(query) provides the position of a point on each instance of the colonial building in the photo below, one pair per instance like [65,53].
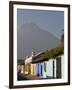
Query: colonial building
[49,64]
[45,64]
[20,66]
[29,67]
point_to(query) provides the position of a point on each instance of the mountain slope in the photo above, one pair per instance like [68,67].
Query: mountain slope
[31,37]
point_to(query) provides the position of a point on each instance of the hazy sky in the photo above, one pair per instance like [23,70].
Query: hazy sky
[34,28]
[51,21]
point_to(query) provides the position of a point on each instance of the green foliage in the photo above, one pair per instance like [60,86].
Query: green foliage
[56,51]
[52,53]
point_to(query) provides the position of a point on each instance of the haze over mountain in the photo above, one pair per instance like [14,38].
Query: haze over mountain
[31,37]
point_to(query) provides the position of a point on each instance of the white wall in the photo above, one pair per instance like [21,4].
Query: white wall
[49,68]
[62,64]
[28,60]
[4,45]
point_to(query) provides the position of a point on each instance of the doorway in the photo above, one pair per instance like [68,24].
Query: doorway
[41,70]
[58,67]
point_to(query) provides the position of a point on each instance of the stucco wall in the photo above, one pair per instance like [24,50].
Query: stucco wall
[49,67]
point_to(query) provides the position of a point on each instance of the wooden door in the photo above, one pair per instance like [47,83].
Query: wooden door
[58,67]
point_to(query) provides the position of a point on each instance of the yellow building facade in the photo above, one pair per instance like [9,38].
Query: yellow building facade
[33,69]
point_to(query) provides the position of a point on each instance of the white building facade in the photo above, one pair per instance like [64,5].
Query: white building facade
[54,68]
